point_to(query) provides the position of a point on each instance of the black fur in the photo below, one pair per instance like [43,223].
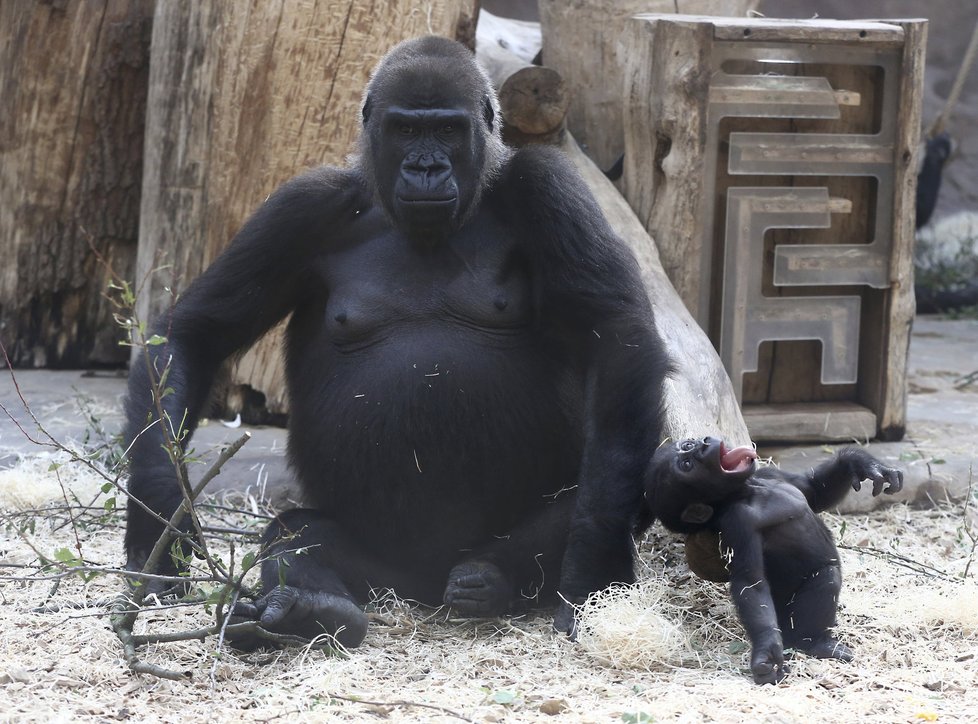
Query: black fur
[474,375]
[784,567]
[937,151]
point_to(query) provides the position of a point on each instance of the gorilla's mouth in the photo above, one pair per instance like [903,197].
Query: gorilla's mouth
[424,200]
[738,460]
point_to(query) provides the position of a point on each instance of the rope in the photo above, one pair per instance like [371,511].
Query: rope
[938,125]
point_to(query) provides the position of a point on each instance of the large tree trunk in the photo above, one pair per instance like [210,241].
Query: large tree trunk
[73,82]
[242,97]
[581,41]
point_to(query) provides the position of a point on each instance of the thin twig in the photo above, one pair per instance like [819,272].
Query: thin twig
[900,560]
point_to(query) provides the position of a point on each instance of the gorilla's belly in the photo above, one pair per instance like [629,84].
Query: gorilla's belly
[443,434]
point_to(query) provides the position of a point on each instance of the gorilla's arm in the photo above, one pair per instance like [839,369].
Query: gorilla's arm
[592,304]
[826,485]
[248,289]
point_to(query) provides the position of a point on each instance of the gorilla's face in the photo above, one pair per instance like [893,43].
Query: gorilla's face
[431,143]
[427,167]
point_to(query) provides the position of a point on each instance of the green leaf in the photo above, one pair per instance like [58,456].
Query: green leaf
[504,697]
[638,717]
[67,557]
[107,487]
[248,561]
[155,340]
[109,503]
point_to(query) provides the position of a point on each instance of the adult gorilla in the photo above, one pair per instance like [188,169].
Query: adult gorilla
[473,372]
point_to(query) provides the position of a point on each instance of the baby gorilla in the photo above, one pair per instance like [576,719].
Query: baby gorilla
[784,567]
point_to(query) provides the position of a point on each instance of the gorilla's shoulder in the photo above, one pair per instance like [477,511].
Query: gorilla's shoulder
[323,189]
[324,180]
[542,174]
[536,159]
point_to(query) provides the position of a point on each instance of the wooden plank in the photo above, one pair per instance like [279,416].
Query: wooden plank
[666,95]
[901,305]
[810,422]
[819,30]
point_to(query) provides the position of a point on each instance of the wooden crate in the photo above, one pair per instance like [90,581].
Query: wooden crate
[773,162]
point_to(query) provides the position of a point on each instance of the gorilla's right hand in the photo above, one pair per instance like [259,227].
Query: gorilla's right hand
[302,612]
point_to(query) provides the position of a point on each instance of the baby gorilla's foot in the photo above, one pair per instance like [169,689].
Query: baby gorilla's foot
[478,589]
[828,648]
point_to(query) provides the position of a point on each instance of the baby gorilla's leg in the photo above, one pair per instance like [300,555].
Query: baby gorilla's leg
[808,616]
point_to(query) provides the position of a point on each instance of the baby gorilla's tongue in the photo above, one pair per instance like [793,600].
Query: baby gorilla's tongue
[736,460]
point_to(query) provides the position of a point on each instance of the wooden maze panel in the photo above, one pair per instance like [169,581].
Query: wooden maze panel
[765,285]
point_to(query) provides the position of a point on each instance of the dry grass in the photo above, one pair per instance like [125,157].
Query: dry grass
[669,649]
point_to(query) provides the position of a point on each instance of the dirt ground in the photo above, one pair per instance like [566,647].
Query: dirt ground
[669,649]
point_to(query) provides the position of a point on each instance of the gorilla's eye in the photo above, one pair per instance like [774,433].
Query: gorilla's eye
[448,129]
[685,465]
[687,445]
[406,130]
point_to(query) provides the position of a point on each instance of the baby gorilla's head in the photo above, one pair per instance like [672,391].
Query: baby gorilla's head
[685,479]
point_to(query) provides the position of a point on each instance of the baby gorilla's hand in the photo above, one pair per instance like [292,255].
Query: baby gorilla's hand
[863,466]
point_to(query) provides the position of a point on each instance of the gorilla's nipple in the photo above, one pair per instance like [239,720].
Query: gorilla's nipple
[340,317]
[501,303]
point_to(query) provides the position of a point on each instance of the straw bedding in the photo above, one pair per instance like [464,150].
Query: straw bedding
[668,649]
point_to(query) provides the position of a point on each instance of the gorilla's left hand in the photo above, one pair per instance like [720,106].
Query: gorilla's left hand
[305,613]
[863,466]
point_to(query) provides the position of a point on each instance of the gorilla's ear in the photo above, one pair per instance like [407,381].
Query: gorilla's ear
[696,513]
[487,112]
[367,108]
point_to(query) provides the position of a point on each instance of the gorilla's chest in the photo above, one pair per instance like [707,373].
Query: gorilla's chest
[384,286]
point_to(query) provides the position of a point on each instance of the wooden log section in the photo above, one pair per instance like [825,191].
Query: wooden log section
[73,79]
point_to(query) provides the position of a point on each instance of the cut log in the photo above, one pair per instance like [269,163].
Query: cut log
[581,41]
[73,78]
[242,97]
[533,98]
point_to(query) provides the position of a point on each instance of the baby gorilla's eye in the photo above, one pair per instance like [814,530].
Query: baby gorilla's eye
[687,445]
[685,465]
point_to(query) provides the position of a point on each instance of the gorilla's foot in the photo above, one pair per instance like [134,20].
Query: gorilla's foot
[300,612]
[828,647]
[478,589]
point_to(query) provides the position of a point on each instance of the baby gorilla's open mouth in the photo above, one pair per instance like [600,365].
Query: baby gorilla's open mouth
[737,460]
